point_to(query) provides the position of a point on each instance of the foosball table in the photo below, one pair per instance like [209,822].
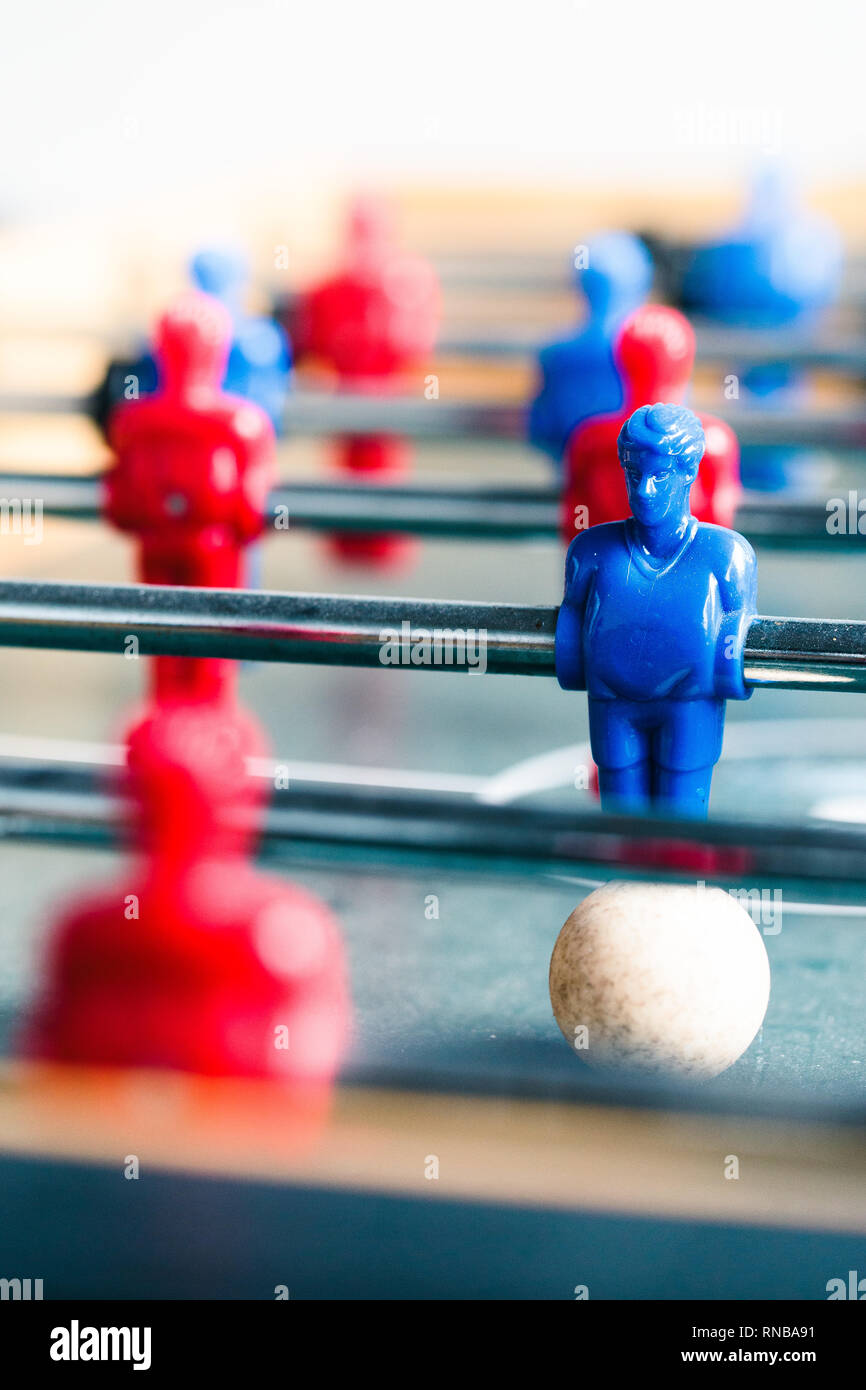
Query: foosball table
[294,806]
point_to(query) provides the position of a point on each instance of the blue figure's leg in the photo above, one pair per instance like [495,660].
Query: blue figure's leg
[621,749]
[682,793]
[625,788]
[687,744]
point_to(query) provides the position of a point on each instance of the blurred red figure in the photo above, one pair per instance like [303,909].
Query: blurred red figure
[195,960]
[655,354]
[193,470]
[371,323]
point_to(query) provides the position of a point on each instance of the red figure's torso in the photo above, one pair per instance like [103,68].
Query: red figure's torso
[655,353]
[193,466]
[371,324]
[193,469]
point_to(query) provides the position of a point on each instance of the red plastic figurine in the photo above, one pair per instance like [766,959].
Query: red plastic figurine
[371,324]
[195,960]
[193,470]
[655,354]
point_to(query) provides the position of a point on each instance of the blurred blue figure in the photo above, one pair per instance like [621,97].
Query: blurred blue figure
[579,378]
[780,266]
[779,269]
[260,361]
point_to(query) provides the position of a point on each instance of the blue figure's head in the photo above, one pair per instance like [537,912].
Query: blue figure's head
[222,272]
[660,449]
[614,272]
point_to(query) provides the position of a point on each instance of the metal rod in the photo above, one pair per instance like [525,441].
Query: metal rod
[421,509]
[63,495]
[236,624]
[314,413]
[536,271]
[72,801]
[409,633]
[838,352]
[449,509]
[443,509]
[715,347]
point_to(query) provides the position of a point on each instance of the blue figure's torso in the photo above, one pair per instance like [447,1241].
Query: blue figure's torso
[260,361]
[579,377]
[259,366]
[758,283]
[635,629]
[779,270]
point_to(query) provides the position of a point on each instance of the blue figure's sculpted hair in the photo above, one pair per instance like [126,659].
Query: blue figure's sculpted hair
[670,431]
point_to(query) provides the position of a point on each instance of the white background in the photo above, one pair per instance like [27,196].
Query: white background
[118,104]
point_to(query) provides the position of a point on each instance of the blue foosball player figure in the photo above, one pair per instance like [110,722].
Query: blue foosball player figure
[260,360]
[778,270]
[578,374]
[259,366]
[653,625]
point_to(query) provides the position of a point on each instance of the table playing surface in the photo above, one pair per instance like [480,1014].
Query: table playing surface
[549,1178]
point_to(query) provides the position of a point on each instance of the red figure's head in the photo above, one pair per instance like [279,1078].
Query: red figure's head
[192,344]
[370,232]
[188,775]
[655,353]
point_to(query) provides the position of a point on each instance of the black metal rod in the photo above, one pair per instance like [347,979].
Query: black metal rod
[537,271]
[70,801]
[734,350]
[408,633]
[315,413]
[449,510]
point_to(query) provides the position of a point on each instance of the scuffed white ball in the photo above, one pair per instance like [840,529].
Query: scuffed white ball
[660,977]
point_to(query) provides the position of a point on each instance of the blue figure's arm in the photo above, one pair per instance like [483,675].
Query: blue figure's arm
[569,623]
[541,424]
[737,577]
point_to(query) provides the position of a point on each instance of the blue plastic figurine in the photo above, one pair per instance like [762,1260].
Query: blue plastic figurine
[653,625]
[260,361]
[779,269]
[780,266]
[579,378]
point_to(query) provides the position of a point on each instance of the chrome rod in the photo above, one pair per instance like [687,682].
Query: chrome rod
[444,509]
[735,350]
[75,801]
[314,413]
[409,633]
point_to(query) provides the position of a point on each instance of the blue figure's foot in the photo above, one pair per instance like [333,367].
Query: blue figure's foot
[683,793]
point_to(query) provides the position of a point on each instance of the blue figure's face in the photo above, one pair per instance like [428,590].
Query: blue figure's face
[658,487]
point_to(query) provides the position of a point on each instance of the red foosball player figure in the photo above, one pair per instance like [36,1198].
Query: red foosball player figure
[195,960]
[655,354]
[193,469]
[371,324]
